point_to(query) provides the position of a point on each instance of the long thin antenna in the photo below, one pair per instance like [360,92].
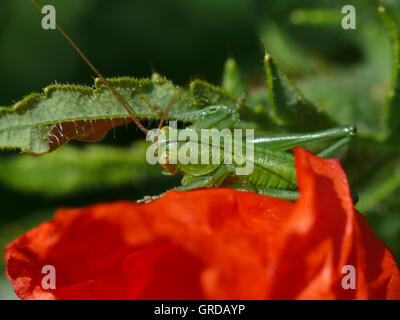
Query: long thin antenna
[115,93]
[164,116]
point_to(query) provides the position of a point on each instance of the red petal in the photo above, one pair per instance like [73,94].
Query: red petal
[168,249]
[214,243]
[324,234]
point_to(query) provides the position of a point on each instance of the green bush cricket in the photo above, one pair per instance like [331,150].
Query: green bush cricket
[274,172]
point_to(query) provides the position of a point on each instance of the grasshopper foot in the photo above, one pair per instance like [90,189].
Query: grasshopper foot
[147,199]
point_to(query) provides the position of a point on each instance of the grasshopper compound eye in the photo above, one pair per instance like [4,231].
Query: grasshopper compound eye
[165,129]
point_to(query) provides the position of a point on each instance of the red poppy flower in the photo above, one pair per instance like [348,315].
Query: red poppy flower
[213,243]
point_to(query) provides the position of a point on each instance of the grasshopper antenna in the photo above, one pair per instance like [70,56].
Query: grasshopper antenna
[164,116]
[83,56]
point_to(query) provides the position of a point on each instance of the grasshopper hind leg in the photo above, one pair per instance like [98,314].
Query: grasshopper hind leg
[288,141]
[334,147]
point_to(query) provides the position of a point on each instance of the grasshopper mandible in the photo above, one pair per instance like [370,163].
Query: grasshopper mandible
[274,172]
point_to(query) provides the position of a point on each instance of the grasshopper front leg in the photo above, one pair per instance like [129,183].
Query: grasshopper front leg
[212,180]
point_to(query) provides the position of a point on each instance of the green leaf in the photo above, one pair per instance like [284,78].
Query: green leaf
[288,106]
[351,98]
[232,79]
[206,94]
[393,99]
[41,123]
[72,169]
[290,55]
[257,112]
[253,115]
[316,16]
[380,186]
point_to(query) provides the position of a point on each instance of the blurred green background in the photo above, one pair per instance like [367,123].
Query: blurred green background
[346,72]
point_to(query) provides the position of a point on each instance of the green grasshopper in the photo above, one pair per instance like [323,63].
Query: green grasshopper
[274,172]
